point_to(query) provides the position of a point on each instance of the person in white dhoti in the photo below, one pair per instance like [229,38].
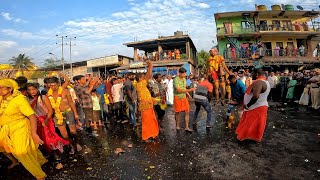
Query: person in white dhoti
[170,91]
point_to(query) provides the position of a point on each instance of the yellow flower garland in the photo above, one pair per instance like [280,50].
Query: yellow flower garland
[56,104]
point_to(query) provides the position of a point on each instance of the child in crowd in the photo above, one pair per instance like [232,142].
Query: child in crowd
[96,109]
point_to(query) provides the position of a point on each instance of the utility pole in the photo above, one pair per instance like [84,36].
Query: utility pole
[70,44]
[62,58]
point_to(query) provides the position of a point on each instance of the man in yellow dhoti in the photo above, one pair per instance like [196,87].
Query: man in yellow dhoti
[18,129]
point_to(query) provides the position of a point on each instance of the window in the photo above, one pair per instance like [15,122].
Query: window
[263,25]
[246,24]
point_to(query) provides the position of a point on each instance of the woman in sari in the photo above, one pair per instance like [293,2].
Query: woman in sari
[291,87]
[45,125]
[150,128]
[18,129]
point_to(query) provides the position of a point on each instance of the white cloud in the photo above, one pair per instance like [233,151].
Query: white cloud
[8,17]
[7,44]
[6,49]
[142,21]
[203,5]
[21,34]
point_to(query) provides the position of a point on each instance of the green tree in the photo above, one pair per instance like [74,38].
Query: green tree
[202,60]
[22,63]
[51,63]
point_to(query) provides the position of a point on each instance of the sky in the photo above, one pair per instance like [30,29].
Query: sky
[100,27]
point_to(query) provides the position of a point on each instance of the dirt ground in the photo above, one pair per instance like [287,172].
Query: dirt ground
[290,150]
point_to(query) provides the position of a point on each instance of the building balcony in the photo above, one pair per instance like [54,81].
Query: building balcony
[235,30]
[272,57]
[267,29]
[289,28]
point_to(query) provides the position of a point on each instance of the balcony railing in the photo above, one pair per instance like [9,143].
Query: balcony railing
[236,30]
[295,28]
[229,30]
[246,54]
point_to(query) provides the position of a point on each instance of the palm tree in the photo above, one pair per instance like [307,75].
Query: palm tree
[22,63]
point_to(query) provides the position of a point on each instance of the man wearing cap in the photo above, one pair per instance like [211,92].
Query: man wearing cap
[216,73]
[315,89]
[181,103]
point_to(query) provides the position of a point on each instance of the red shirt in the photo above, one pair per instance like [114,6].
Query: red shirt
[108,91]
[207,84]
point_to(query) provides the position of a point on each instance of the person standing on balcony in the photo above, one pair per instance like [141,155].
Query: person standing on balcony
[233,52]
[170,55]
[174,54]
[178,54]
[216,73]
[276,50]
[301,50]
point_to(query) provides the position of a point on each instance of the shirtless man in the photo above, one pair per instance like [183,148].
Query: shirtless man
[216,72]
[65,111]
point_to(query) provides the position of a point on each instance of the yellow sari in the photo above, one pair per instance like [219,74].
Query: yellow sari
[15,133]
[150,127]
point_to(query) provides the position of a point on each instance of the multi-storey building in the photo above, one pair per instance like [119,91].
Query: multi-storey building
[280,36]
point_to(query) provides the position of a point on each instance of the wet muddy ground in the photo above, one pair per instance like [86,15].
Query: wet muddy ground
[290,150]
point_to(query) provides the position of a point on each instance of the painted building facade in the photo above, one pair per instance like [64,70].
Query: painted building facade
[285,35]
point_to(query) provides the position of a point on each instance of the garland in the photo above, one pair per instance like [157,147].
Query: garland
[56,104]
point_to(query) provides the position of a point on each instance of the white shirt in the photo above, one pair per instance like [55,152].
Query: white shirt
[262,100]
[73,94]
[243,79]
[273,80]
[117,92]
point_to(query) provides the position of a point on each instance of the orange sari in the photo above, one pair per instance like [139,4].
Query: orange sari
[150,127]
[252,124]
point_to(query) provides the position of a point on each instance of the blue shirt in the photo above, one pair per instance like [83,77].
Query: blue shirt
[101,90]
[237,90]
[189,82]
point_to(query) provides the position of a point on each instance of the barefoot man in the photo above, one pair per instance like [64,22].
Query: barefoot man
[216,72]
[64,110]
[254,118]
[181,103]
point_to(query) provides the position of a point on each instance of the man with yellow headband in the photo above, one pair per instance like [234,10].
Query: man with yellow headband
[216,73]
[18,129]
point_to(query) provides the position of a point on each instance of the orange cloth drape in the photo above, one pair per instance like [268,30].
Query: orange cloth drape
[252,124]
[150,127]
[181,105]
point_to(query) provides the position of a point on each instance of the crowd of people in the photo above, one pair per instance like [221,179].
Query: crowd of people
[52,117]
[257,50]
[161,55]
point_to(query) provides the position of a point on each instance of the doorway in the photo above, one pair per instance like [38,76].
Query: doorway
[301,42]
[263,25]
[268,46]
[228,27]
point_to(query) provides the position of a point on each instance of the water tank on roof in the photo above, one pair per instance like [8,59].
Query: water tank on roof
[262,7]
[276,7]
[288,7]
[178,33]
